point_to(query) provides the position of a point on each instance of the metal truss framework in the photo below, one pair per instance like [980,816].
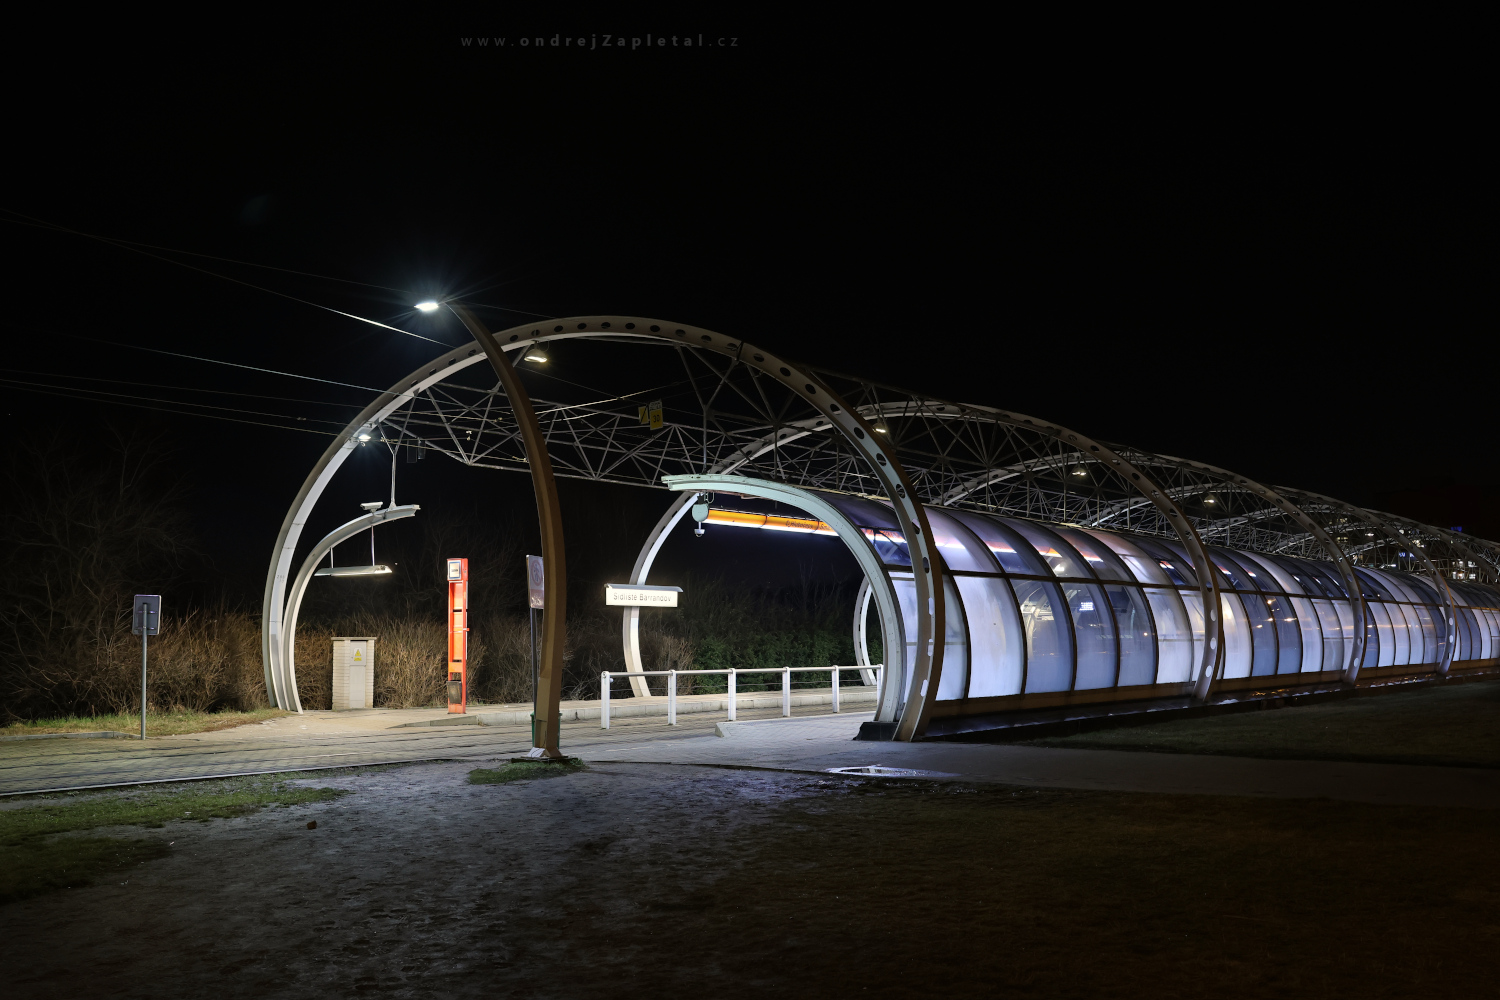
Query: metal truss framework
[736,409]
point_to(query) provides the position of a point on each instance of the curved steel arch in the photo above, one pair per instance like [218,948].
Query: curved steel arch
[803,384]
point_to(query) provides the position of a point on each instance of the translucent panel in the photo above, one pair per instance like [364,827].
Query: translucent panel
[906,597]
[1374,585]
[1333,635]
[1193,601]
[1094,635]
[1346,619]
[1396,585]
[955,676]
[1060,557]
[1302,574]
[1312,634]
[1384,635]
[1468,636]
[889,545]
[1135,634]
[1261,620]
[1179,568]
[1430,649]
[1237,651]
[862,512]
[1049,648]
[1014,555]
[1100,558]
[1328,575]
[1233,572]
[1174,637]
[1492,645]
[960,548]
[1288,634]
[1275,570]
[996,643]
[1408,642]
[1371,655]
[1142,566]
[1444,633]
[1259,578]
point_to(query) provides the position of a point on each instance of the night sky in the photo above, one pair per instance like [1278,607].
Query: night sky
[1272,271]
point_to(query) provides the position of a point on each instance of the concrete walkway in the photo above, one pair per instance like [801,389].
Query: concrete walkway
[810,743]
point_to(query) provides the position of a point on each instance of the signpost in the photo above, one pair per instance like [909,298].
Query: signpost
[458,636]
[145,621]
[536,588]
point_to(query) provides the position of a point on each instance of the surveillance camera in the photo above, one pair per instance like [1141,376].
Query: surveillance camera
[374,506]
[698,531]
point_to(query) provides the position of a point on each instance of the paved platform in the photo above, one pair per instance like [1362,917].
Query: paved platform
[809,743]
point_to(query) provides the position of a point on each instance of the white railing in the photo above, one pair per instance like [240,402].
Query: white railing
[672,675]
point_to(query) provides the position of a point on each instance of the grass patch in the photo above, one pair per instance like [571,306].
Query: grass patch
[1026,893]
[34,861]
[157,724]
[524,771]
[1453,725]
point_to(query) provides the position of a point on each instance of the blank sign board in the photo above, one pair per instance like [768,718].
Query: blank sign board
[629,595]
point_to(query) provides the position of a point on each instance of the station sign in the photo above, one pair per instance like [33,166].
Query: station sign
[638,595]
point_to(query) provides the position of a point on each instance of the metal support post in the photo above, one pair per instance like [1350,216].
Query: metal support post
[733,698]
[671,697]
[835,690]
[604,700]
[143,680]
[786,692]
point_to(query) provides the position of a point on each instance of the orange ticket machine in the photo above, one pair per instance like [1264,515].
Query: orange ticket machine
[458,635]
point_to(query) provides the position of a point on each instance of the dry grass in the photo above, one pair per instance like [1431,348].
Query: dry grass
[160,724]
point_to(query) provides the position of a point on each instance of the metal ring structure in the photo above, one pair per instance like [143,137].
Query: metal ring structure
[855,423]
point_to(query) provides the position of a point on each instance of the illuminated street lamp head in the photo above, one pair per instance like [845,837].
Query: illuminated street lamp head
[364,437]
[540,359]
[427,307]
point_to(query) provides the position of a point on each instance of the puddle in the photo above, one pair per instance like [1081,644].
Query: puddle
[876,770]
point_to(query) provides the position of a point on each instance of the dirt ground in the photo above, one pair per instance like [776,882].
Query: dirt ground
[652,880]
[1451,724]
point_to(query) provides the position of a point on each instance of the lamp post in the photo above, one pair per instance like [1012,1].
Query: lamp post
[549,514]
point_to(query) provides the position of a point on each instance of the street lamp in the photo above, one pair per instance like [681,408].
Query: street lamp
[428,306]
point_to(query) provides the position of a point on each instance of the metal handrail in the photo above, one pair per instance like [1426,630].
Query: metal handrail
[732,674]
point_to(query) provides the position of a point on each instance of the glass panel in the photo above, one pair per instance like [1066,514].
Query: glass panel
[1141,565]
[1288,634]
[995,637]
[1312,634]
[1408,640]
[1236,637]
[1094,633]
[960,549]
[1491,633]
[1179,569]
[1396,584]
[955,676]
[1261,618]
[1101,559]
[1259,578]
[1137,649]
[1194,603]
[1174,638]
[1384,634]
[1374,585]
[1311,583]
[865,513]
[1468,636]
[1014,555]
[1372,641]
[1279,574]
[1429,633]
[1061,559]
[1049,649]
[906,597]
[1333,635]
[1232,571]
[889,545]
[1328,573]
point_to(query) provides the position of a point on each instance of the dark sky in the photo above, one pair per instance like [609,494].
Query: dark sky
[1269,267]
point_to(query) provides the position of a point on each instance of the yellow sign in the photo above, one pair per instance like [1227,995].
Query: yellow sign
[654,409]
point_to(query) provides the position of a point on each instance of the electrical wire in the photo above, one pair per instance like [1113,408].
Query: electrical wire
[181,388]
[85,393]
[124,245]
[185,413]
